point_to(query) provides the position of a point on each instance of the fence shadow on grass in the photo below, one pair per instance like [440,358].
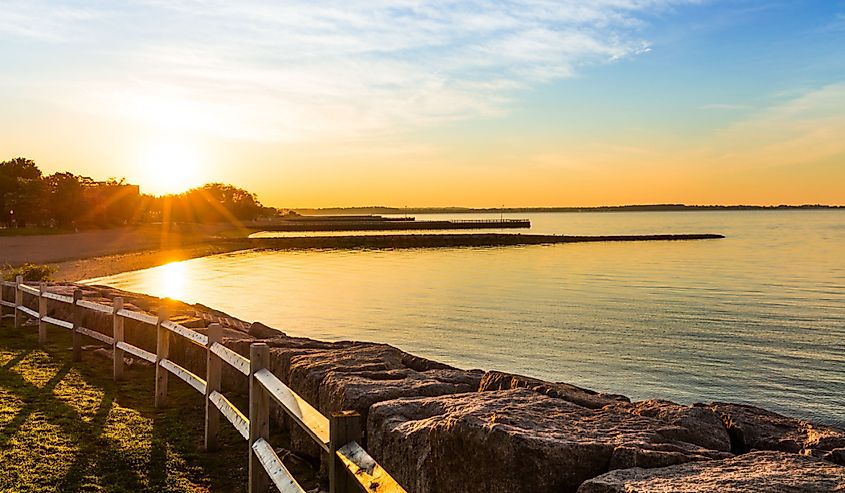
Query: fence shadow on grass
[95,448]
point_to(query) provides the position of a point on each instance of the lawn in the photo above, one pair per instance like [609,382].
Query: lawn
[68,427]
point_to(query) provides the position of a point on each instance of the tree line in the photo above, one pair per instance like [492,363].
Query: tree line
[28,198]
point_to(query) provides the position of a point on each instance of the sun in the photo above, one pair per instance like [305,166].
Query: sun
[167,167]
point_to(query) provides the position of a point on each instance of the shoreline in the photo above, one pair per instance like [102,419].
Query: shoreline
[109,265]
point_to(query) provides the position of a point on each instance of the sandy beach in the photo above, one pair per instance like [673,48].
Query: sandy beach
[86,254]
[87,268]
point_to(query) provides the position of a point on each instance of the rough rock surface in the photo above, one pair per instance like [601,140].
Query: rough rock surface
[754,472]
[362,374]
[342,391]
[496,380]
[837,456]
[518,441]
[307,371]
[753,428]
[696,424]
[261,331]
[282,349]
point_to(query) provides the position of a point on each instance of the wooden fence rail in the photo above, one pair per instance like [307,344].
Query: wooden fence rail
[351,468]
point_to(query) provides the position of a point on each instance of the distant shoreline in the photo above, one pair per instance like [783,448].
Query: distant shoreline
[603,208]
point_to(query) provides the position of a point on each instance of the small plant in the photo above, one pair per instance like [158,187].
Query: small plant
[30,272]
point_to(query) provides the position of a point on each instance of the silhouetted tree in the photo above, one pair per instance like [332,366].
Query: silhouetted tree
[19,191]
[67,200]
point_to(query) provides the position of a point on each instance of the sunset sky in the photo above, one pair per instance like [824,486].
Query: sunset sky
[413,103]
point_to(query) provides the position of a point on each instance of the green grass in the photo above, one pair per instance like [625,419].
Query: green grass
[68,427]
[29,272]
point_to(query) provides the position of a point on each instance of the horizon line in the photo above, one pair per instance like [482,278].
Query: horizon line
[577,207]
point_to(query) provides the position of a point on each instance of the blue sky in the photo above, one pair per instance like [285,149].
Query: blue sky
[719,60]
[538,93]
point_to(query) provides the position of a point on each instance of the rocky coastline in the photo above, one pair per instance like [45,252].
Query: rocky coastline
[440,429]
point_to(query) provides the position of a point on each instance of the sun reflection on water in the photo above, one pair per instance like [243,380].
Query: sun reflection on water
[172,280]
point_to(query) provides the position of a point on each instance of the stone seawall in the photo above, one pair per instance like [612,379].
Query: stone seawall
[454,240]
[440,429]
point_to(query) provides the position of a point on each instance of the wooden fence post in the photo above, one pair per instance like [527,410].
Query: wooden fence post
[213,368]
[259,415]
[117,335]
[42,312]
[162,352]
[344,427]
[2,298]
[18,302]
[77,322]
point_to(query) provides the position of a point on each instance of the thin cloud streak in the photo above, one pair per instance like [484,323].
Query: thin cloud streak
[801,131]
[724,106]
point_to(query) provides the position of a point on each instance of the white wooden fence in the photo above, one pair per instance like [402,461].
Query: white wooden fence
[350,466]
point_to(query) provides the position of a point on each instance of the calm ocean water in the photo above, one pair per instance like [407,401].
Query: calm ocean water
[757,317]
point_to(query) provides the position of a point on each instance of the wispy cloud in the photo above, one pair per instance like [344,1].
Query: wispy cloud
[805,129]
[43,21]
[836,24]
[297,70]
[724,106]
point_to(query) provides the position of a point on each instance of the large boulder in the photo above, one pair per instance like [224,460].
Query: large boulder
[497,380]
[518,441]
[343,391]
[261,331]
[374,365]
[307,370]
[753,428]
[282,349]
[696,424]
[754,472]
